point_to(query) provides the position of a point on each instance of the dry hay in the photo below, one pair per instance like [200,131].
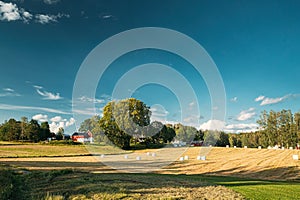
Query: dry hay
[249,163]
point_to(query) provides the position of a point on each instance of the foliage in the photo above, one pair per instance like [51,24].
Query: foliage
[276,128]
[186,133]
[64,142]
[93,124]
[60,133]
[165,135]
[211,137]
[45,131]
[9,184]
[122,120]
[223,140]
[279,128]
[23,130]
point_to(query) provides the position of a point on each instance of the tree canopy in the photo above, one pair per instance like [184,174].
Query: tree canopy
[123,120]
[13,130]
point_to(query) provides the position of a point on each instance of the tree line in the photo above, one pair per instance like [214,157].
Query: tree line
[126,123]
[275,128]
[24,130]
[280,128]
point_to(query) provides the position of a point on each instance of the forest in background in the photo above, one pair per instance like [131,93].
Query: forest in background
[275,128]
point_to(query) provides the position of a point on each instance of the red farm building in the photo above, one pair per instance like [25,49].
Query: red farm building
[82,137]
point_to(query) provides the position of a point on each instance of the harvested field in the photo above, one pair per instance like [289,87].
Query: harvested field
[267,164]
[85,177]
[247,163]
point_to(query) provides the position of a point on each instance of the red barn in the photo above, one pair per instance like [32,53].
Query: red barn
[83,137]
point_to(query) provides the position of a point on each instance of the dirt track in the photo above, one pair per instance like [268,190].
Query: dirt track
[251,163]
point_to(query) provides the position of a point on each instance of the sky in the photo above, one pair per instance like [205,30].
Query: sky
[254,45]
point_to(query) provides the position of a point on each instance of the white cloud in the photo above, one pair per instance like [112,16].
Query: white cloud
[269,101]
[158,113]
[27,15]
[93,100]
[87,111]
[234,99]
[192,104]
[215,108]
[107,16]
[48,95]
[11,12]
[70,122]
[56,119]
[213,125]
[51,1]
[58,122]
[230,128]
[45,19]
[260,98]
[238,128]
[246,114]
[191,120]
[40,117]
[18,108]
[8,89]
[54,127]
[38,87]
[9,92]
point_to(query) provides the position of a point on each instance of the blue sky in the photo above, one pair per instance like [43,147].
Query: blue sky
[254,44]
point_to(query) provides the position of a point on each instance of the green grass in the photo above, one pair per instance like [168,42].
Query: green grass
[42,150]
[257,189]
[69,184]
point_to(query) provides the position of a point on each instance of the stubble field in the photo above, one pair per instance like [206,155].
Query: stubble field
[246,173]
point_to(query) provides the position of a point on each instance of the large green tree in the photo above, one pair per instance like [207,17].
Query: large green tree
[186,133]
[45,131]
[125,119]
[93,124]
[33,131]
[165,135]
[279,128]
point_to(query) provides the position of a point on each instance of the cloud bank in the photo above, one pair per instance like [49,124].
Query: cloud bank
[11,12]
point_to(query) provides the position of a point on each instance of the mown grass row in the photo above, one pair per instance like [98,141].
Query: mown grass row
[256,189]
[69,184]
[61,150]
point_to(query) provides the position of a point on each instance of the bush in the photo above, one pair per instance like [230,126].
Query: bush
[6,184]
[64,142]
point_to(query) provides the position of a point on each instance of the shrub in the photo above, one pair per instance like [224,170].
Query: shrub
[7,184]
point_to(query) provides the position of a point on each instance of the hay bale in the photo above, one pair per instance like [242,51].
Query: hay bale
[295,157]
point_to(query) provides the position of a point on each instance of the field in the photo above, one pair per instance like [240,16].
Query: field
[70,172]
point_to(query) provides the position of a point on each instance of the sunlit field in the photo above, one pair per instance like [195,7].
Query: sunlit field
[70,172]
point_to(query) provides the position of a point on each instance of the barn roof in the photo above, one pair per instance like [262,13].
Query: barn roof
[87,134]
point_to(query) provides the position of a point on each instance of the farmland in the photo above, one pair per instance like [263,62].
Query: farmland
[245,173]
